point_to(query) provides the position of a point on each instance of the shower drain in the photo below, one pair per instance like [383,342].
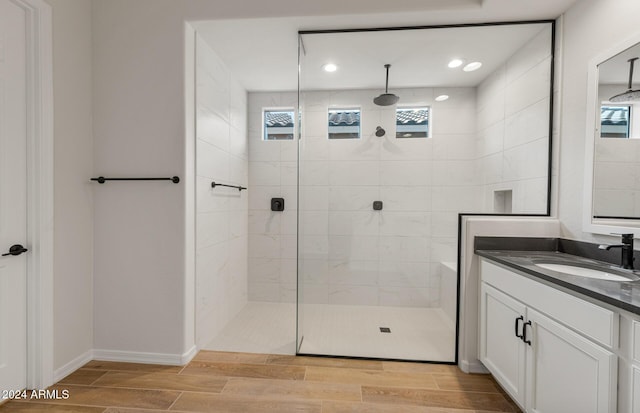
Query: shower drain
[385,330]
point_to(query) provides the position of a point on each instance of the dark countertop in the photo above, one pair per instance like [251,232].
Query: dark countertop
[624,295]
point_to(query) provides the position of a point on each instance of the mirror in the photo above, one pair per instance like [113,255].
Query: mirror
[612,170]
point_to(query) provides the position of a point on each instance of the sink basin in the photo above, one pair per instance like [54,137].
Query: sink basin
[585,272]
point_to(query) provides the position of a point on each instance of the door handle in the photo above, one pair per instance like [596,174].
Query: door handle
[16,249]
[517,327]
[524,333]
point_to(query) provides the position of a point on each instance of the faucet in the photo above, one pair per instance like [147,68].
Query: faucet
[627,250]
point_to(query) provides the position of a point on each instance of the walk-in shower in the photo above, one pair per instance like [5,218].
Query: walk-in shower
[380,190]
[347,232]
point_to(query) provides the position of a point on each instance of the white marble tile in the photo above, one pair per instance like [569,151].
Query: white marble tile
[212,228]
[264,151]
[454,173]
[404,248]
[211,128]
[527,161]
[314,271]
[315,294]
[529,55]
[403,274]
[313,246]
[444,224]
[260,196]
[315,125]
[314,148]
[264,270]
[288,246]
[443,249]
[314,222]
[455,147]
[264,246]
[529,88]
[456,199]
[289,150]
[491,139]
[406,198]
[288,222]
[351,150]
[208,199]
[491,168]
[354,223]
[264,222]
[405,223]
[405,297]
[357,248]
[527,125]
[288,293]
[352,198]
[238,143]
[267,292]
[353,273]
[289,173]
[314,198]
[393,149]
[211,161]
[353,295]
[264,173]
[353,173]
[288,270]
[238,223]
[404,173]
[313,173]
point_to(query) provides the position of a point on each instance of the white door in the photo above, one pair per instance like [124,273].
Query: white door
[501,350]
[566,372]
[13,195]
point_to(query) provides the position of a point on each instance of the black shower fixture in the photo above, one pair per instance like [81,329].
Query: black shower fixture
[386,99]
[379,131]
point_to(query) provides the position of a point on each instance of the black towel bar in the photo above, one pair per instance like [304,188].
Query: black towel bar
[239,188]
[102,179]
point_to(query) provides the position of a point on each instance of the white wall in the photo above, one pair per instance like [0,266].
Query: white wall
[352,254]
[272,174]
[587,33]
[73,166]
[513,128]
[221,213]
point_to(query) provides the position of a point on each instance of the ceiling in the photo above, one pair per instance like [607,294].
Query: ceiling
[262,53]
[615,71]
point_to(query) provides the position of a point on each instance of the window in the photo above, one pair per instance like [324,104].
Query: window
[278,124]
[615,121]
[412,122]
[344,123]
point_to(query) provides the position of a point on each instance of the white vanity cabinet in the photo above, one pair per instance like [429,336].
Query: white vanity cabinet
[551,351]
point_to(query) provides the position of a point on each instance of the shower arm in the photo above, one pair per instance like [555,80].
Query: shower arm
[631,64]
[386,85]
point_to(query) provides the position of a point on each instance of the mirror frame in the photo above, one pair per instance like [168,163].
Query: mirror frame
[589,224]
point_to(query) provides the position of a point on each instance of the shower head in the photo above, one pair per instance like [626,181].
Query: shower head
[380,132]
[386,99]
[630,94]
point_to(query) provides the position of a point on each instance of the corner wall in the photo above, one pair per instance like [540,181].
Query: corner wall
[73,199]
[221,213]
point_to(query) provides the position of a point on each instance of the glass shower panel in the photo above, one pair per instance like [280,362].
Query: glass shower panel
[380,187]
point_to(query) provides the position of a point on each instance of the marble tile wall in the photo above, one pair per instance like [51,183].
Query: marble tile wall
[351,253]
[513,131]
[221,213]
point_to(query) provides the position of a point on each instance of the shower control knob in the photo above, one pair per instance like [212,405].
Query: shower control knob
[377,205]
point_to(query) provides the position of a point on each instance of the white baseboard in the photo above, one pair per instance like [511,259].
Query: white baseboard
[473,367]
[72,366]
[145,358]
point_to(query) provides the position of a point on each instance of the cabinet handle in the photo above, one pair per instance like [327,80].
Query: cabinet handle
[517,327]
[524,333]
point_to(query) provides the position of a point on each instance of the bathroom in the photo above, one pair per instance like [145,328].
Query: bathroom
[386,275]
[122,83]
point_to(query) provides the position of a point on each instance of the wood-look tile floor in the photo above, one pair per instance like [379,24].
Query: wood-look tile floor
[256,383]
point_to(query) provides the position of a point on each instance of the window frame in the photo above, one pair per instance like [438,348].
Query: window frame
[357,109]
[286,109]
[427,133]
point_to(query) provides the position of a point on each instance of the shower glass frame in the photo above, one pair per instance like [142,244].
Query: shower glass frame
[300,315]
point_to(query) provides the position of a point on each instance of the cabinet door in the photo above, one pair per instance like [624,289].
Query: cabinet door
[566,372]
[501,351]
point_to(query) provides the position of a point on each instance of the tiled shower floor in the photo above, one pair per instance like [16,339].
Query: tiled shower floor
[416,333]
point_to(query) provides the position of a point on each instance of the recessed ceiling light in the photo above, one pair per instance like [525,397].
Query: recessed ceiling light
[455,63]
[442,98]
[472,66]
[330,67]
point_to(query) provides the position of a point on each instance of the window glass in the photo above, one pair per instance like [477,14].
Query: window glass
[412,122]
[344,123]
[278,124]
[615,121]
